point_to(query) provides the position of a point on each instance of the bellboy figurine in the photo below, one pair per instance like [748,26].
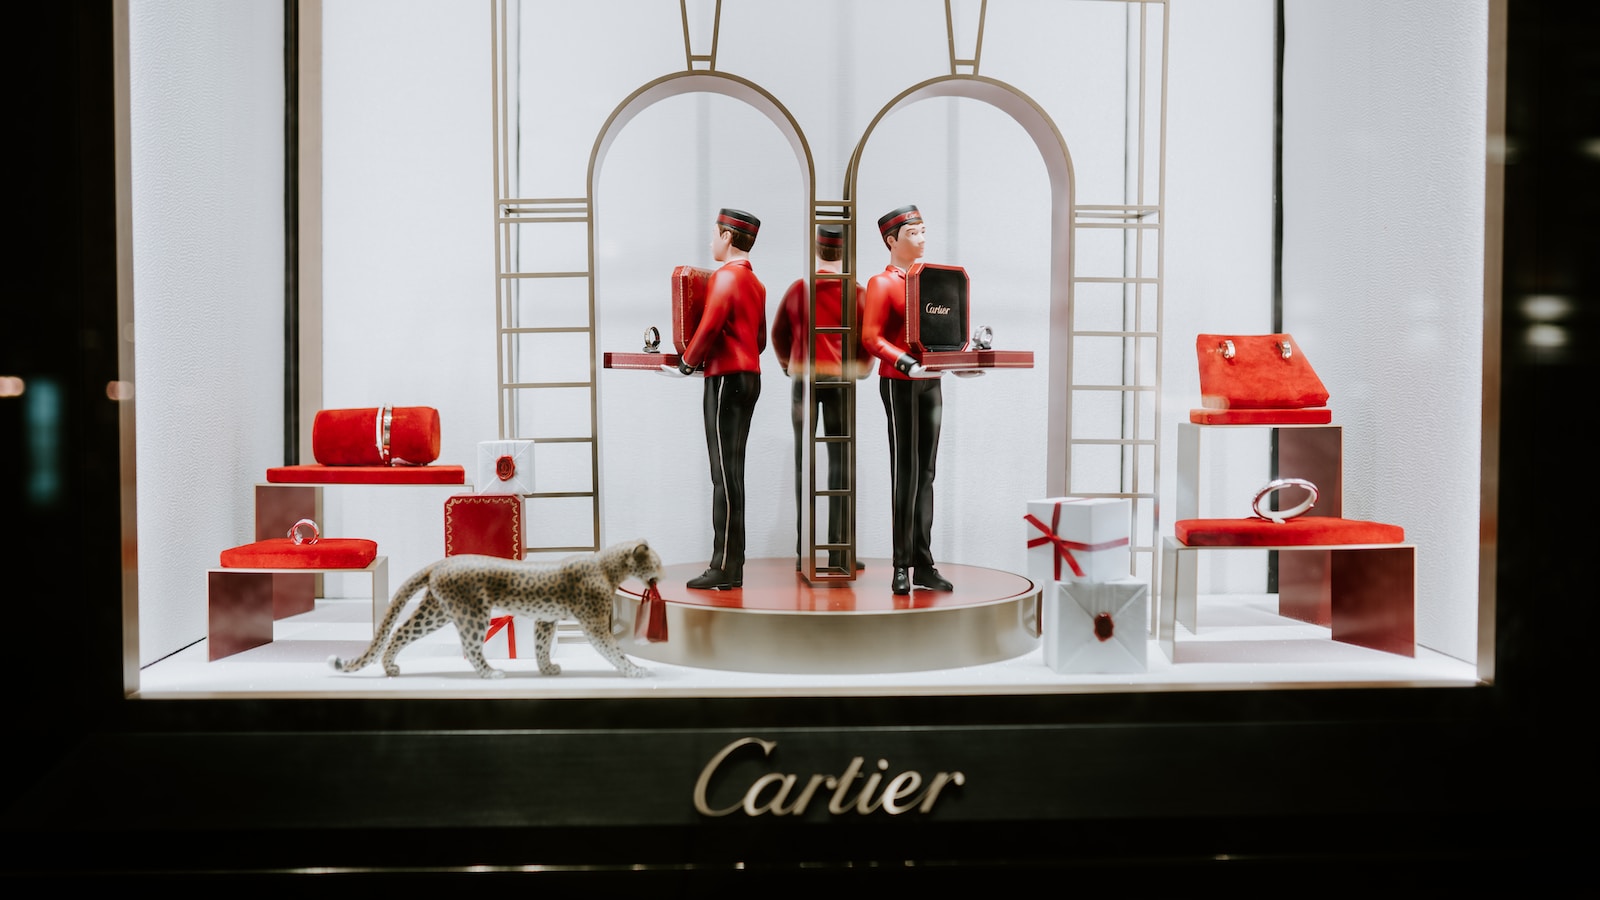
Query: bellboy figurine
[728,344]
[912,400]
[790,330]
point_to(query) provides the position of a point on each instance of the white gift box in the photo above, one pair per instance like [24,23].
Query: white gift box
[1078,539]
[504,467]
[1097,627]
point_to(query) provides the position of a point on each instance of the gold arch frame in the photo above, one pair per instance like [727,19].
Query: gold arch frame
[1136,218]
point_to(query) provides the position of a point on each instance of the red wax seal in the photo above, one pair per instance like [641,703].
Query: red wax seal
[1103,626]
[505,467]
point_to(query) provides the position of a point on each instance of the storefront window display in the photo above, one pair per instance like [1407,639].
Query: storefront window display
[1108,208]
[1327,172]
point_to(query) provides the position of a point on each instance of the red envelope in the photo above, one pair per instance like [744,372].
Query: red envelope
[490,524]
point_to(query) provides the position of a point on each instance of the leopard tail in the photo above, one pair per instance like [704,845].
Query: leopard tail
[384,631]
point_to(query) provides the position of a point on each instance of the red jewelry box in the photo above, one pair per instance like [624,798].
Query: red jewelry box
[490,524]
[688,303]
[937,317]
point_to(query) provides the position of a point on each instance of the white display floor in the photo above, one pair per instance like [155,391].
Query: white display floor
[1242,644]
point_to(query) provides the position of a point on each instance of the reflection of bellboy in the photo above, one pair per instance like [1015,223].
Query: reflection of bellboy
[789,335]
[912,400]
[727,344]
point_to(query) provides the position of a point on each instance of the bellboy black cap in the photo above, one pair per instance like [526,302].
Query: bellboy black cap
[905,215]
[739,220]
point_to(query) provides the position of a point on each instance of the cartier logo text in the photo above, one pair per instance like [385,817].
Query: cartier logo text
[936,310]
[847,793]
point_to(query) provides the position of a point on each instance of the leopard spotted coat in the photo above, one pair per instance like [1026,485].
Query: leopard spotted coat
[465,590]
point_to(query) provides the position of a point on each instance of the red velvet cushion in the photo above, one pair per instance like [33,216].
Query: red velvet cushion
[284,553]
[1299,531]
[310,474]
[350,437]
[1257,375]
[1315,416]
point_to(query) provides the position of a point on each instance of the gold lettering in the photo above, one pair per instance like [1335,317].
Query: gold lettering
[804,799]
[900,787]
[940,779]
[753,808]
[864,802]
[700,803]
[851,792]
[837,804]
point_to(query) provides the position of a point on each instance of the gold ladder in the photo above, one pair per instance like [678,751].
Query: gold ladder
[555,413]
[842,213]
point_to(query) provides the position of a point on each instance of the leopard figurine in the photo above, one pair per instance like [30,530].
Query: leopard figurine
[463,591]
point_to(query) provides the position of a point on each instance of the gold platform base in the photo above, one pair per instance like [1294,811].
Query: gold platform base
[779,622]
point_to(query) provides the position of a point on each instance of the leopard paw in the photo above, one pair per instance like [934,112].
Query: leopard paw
[391,670]
[550,669]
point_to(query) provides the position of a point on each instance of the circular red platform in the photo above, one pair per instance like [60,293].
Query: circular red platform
[781,622]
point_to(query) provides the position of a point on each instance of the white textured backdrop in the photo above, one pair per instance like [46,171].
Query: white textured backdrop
[207,142]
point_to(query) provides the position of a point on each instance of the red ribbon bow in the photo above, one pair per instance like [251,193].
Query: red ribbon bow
[498,622]
[1063,546]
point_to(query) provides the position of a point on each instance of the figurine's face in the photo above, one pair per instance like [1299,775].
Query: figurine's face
[910,244]
[721,241]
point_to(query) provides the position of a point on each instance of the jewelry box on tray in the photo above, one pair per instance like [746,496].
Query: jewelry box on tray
[938,323]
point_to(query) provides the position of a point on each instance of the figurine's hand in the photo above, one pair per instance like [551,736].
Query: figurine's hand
[684,367]
[918,370]
[671,371]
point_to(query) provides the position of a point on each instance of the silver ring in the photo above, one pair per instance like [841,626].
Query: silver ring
[1282,515]
[983,337]
[652,340]
[1227,350]
[384,424]
[294,532]
[1285,349]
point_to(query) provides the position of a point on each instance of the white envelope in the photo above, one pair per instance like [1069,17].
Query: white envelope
[504,467]
[1097,627]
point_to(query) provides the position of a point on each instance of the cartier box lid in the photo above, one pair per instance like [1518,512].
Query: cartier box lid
[936,308]
[688,303]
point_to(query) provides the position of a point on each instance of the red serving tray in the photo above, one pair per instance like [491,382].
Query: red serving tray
[638,360]
[952,360]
